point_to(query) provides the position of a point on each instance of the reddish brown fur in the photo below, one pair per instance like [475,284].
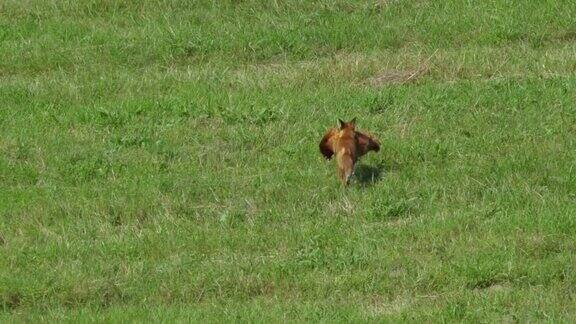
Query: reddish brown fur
[348,145]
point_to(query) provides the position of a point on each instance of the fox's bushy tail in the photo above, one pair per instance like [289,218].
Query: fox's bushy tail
[345,168]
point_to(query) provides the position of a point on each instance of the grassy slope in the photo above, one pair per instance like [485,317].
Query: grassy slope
[159,159]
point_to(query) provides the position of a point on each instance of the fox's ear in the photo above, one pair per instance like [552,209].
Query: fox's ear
[353,121]
[342,123]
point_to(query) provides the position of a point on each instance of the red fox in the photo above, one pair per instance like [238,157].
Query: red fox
[348,145]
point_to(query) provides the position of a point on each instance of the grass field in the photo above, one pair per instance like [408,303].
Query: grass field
[159,160]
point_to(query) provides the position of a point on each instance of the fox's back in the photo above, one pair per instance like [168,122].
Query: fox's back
[346,144]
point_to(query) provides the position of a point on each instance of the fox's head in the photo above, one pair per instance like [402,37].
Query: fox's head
[351,125]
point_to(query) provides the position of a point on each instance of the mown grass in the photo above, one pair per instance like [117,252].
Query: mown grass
[159,160]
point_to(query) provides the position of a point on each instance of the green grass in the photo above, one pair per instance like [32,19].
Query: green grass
[159,160]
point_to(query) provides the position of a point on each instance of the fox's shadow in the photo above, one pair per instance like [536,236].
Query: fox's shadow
[367,175]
